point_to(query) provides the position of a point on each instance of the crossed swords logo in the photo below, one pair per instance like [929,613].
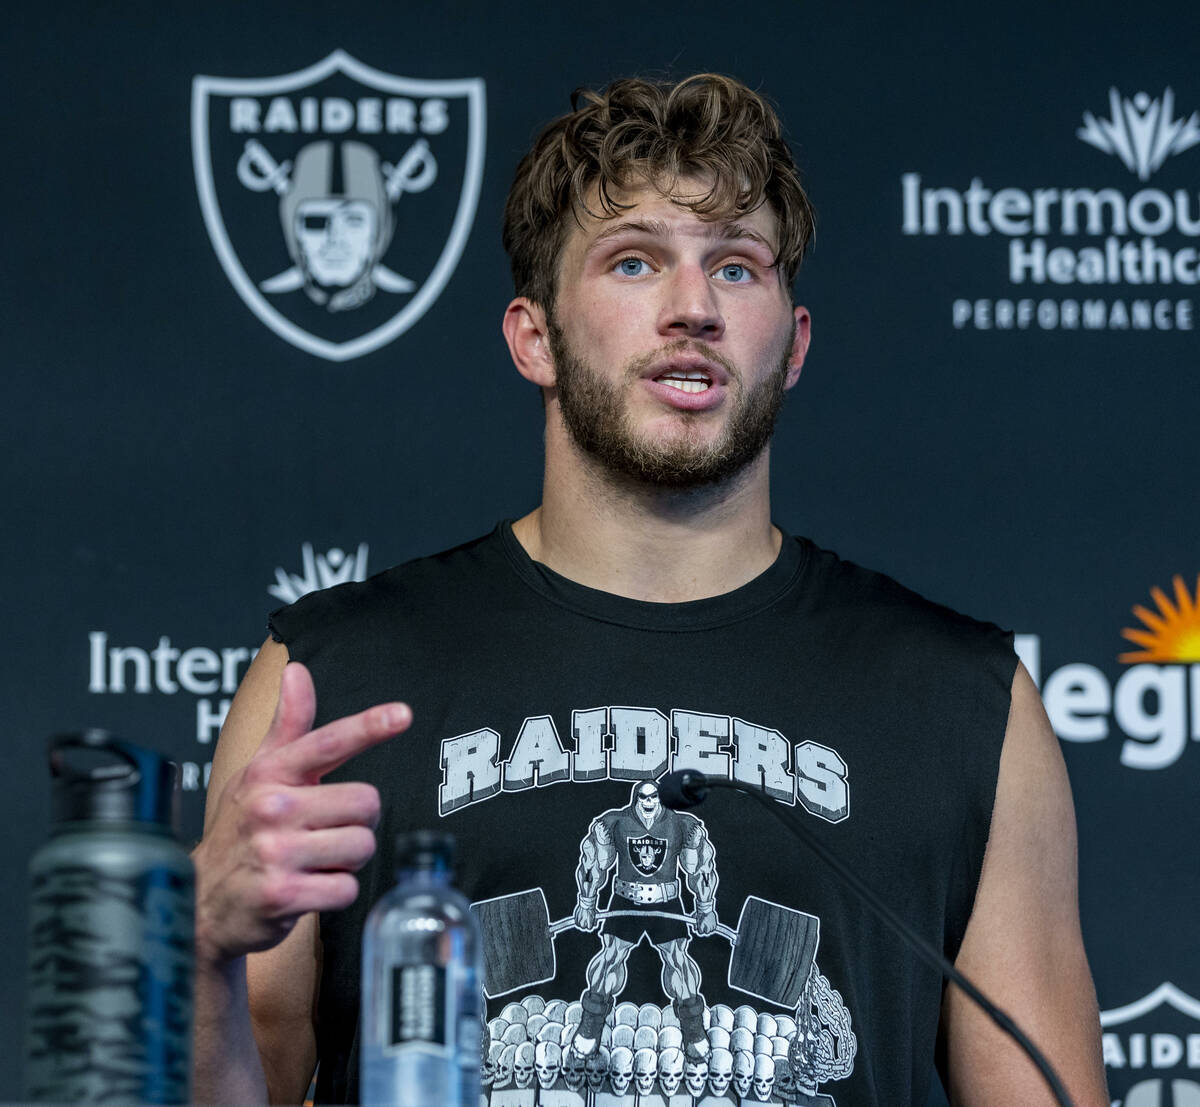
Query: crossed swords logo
[258,171]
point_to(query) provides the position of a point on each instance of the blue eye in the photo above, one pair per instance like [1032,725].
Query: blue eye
[735,274]
[631,267]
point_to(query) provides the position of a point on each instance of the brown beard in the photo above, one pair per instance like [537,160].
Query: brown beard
[593,413]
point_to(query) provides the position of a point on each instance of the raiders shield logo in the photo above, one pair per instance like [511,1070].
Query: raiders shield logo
[647,853]
[338,198]
[1152,1050]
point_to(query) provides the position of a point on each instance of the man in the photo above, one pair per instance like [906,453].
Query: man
[650,846]
[654,234]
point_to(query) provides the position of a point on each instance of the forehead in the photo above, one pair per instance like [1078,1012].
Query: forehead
[645,208]
[647,791]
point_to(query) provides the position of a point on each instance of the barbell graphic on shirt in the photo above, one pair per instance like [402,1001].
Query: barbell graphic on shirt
[773,946]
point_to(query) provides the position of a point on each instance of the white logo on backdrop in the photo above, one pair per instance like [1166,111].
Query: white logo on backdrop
[206,677]
[1154,703]
[1141,131]
[1086,241]
[313,173]
[325,570]
[1157,1033]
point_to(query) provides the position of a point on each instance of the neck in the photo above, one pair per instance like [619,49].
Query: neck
[651,543]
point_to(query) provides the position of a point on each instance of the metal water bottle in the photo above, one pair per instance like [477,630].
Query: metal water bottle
[419,1035]
[111,932]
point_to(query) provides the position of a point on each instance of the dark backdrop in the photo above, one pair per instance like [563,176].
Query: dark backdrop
[170,457]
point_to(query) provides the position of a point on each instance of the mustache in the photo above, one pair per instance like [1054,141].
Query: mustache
[642,362]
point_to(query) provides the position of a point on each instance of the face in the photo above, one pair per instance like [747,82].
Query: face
[743,1072]
[621,1069]
[673,340]
[647,799]
[645,1070]
[596,1069]
[336,238]
[574,1068]
[695,1073]
[720,1071]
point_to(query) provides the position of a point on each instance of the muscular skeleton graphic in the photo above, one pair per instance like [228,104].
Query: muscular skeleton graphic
[650,847]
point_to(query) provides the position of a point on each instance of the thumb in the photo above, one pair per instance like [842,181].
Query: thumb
[296,709]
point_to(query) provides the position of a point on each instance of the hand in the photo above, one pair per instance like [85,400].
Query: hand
[281,843]
[704,920]
[585,915]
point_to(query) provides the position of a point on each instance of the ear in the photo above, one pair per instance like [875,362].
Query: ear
[800,343]
[526,333]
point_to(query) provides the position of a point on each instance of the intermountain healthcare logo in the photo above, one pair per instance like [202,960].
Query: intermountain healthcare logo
[1155,702]
[338,198]
[1141,131]
[202,675]
[320,571]
[1152,1050]
[1142,241]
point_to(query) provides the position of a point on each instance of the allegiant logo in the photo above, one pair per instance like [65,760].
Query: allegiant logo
[1155,703]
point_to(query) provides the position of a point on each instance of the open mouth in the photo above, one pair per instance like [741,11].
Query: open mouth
[691,380]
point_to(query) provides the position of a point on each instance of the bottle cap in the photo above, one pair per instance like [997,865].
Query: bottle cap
[97,777]
[425,849]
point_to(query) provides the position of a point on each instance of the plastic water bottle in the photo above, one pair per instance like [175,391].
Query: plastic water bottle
[110,932]
[419,1034]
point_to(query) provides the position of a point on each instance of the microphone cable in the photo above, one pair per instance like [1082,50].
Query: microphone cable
[686,788]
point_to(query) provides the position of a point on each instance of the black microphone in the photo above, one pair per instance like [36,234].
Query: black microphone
[686,788]
[682,789]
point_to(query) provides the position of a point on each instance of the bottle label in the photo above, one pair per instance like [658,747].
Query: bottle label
[417,1012]
[110,982]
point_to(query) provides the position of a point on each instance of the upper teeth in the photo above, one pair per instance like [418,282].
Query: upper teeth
[691,381]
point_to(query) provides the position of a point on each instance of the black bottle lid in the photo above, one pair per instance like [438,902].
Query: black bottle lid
[96,777]
[425,849]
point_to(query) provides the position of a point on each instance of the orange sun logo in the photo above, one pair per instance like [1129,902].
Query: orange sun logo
[1174,632]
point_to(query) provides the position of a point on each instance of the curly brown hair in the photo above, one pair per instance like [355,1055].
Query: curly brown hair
[707,126]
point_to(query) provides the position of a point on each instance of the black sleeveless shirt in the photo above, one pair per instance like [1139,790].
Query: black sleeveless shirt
[540,709]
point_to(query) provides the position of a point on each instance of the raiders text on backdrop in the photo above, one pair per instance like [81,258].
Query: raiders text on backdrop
[368,115]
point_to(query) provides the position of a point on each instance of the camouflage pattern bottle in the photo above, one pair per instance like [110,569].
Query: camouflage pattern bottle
[109,987]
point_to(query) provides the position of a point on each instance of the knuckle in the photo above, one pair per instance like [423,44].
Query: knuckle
[327,744]
[268,806]
[269,850]
[256,771]
[276,892]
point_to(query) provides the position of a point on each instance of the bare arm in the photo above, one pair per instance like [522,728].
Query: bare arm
[278,846]
[1023,945]
[698,859]
[597,855]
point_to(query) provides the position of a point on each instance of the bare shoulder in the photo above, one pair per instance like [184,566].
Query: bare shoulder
[249,717]
[1023,944]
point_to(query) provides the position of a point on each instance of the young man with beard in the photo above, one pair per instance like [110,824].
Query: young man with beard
[654,233]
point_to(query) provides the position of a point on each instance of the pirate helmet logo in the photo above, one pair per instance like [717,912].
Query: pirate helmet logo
[647,854]
[353,156]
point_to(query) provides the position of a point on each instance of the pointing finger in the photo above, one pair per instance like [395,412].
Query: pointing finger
[306,759]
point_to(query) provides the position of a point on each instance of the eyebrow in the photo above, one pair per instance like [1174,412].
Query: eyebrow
[721,232]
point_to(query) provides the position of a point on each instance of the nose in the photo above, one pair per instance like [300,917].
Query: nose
[690,308]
